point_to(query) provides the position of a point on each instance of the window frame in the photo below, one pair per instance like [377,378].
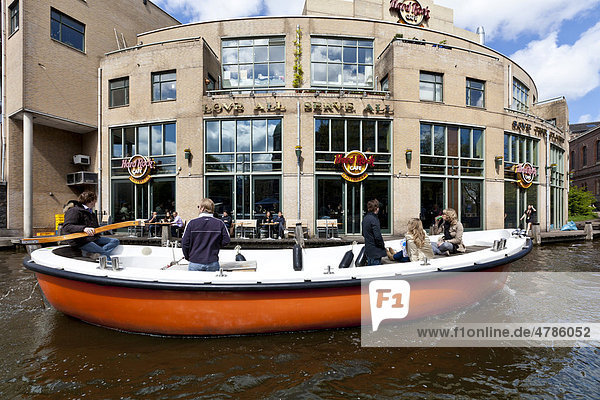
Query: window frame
[166,161]
[469,89]
[343,135]
[253,43]
[13,15]
[343,43]
[520,96]
[438,157]
[240,160]
[111,92]
[385,83]
[63,25]
[160,82]
[584,156]
[434,84]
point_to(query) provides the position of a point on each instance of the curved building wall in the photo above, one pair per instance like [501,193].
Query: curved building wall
[428,153]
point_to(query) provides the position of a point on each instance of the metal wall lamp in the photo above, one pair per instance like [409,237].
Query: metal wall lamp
[408,155]
[498,160]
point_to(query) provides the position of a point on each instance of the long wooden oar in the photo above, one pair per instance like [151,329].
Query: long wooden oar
[50,239]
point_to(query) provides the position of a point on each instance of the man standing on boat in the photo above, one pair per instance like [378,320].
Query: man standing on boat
[203,238]
[374,244]
[81,218]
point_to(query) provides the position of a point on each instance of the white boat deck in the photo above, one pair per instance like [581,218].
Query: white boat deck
[144,263]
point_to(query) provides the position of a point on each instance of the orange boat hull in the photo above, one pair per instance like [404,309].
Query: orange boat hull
[230,312]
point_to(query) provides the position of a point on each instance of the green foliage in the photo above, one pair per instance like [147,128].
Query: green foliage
[298,72]
[580,202]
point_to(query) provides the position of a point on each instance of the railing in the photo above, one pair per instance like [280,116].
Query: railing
[294,92]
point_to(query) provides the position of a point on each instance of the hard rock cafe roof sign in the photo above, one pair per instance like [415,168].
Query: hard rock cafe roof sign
[410,11]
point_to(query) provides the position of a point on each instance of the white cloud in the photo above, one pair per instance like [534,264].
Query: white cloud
[202,10]
[569,70]
[508,19]
[587,118]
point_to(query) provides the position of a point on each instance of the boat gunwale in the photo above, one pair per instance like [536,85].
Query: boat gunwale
[224,287]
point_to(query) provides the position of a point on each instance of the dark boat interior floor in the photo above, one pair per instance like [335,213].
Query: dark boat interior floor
[71,252]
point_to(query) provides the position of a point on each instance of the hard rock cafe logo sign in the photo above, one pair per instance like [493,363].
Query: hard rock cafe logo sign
[139,168]
[355,165]
[410,11]
[525,174]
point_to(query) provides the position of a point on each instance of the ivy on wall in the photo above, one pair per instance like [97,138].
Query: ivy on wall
[298,72]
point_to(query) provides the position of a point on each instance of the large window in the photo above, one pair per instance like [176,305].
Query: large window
[431,86]
[557,187]
[519,149]
[243,145]
[475,93]
[341,63]
[597,151]
[164,86]
[452,170]
[157,141]
[118,92]
[338,136]
[243,165]
[520,96]
[67,30]
[584,156]
[13,11]
[451,150]
[253,63]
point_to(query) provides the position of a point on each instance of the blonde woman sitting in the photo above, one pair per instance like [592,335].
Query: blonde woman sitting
[451,231]
[418,246]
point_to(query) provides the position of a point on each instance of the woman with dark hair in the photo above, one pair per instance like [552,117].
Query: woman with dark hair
[81,218]
[529,217]
[451,229]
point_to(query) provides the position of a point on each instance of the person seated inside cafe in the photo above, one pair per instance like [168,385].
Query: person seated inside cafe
[152,229]
[267,219]
[280,224]
[176,225]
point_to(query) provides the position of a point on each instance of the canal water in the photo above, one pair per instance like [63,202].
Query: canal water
[44,354]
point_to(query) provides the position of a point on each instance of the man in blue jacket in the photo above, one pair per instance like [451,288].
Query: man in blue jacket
[374,244]
[203,238]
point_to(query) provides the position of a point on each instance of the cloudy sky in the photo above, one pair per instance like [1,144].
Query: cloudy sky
[556,41]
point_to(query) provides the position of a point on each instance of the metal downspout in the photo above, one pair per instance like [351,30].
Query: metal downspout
[4,119]
[99,150]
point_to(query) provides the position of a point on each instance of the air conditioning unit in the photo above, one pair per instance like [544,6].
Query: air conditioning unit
[81,159]
[82,178]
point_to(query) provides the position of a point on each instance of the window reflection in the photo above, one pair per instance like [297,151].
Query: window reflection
[342,63]
[253,62]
